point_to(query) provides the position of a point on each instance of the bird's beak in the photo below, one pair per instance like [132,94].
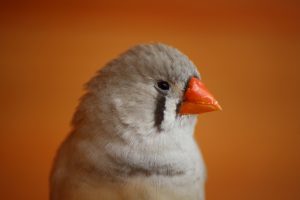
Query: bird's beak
[197,99]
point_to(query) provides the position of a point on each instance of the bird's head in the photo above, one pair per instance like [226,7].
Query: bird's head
[149,89]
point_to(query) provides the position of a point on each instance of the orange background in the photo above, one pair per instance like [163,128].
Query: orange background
[248,53]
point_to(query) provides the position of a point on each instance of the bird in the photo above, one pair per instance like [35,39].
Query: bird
[132,135]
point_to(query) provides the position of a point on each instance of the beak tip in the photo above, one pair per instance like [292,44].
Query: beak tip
[218,107]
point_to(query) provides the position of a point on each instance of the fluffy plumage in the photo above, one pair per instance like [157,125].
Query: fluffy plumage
[128,139]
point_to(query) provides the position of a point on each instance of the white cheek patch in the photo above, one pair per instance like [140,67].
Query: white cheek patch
[169,114]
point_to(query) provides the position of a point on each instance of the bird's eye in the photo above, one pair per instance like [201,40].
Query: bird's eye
[163,85]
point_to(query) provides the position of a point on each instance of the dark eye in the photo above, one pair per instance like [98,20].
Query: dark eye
[163,85]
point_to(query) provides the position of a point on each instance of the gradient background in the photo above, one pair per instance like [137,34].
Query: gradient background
[248,53]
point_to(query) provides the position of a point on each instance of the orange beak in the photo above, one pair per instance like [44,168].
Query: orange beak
[197,99]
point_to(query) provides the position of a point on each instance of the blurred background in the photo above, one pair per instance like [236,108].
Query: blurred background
[248,53]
